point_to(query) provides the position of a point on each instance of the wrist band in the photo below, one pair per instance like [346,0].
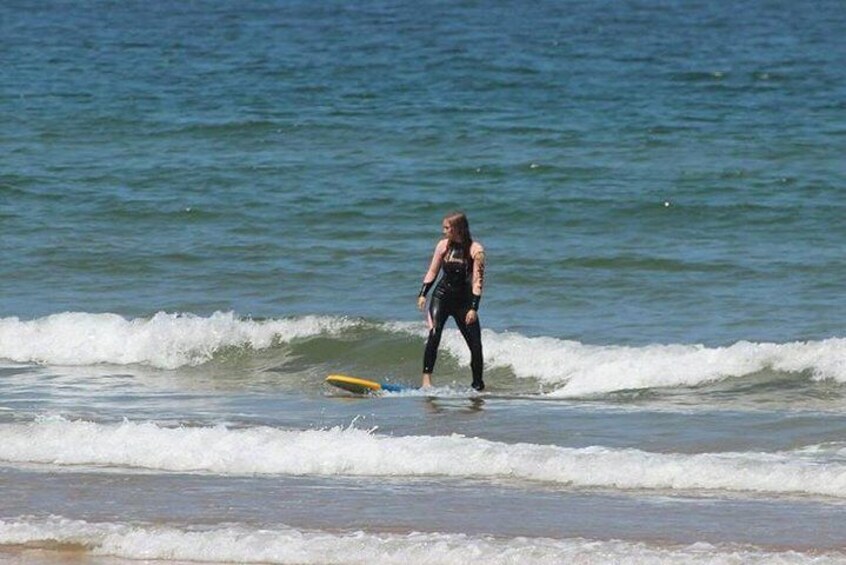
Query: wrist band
[474,302]
[424,290]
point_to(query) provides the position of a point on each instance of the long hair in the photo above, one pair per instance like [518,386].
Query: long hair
[459,223]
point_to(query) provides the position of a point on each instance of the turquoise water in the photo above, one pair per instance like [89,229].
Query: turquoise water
[206,207]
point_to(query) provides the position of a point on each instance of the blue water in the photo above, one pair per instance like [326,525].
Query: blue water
[658,185]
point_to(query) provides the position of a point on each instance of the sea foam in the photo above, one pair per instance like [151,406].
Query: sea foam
[591,369]
[166,341]
[282,544]
[56,441]
[569,368]
[574,369]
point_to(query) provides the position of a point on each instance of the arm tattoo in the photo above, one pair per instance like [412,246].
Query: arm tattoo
[480,271]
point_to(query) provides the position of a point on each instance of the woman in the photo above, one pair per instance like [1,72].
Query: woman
[457,294]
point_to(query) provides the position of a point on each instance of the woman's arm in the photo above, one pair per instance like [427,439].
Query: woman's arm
[437,259]
[432,273]
[478,254]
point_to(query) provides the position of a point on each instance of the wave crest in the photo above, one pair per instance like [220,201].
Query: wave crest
[570,368]
[590,369]
[165,341]
[263,450]
[243,544]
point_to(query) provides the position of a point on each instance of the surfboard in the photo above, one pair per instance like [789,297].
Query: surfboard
[356,385]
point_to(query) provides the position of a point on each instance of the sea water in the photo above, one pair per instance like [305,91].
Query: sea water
[207,207]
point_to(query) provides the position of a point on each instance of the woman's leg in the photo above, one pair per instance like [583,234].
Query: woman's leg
[473,336]
[438,314]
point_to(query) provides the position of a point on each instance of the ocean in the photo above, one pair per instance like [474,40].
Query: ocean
[206,207]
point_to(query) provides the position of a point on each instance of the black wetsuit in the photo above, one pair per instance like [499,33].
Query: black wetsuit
[453,297]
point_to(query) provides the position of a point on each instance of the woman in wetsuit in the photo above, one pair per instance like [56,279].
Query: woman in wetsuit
[457,294]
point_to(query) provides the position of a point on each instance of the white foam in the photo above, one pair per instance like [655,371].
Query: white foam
[263,450]
[165,341]
[577,369]
[242,544]
[573,369]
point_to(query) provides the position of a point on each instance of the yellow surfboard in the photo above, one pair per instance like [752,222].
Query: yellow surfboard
[356,385]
